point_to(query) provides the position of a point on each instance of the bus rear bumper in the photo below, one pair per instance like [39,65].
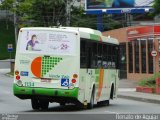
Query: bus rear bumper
[29,92]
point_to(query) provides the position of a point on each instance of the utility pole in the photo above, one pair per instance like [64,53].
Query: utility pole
[68,12]
[15,23]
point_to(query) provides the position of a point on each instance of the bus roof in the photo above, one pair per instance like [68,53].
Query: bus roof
[87,33]
[92,34]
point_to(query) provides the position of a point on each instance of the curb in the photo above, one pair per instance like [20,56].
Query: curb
[140,99]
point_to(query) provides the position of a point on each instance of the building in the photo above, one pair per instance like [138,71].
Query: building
[139,50]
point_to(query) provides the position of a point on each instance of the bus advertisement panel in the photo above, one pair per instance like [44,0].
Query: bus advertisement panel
[114,4]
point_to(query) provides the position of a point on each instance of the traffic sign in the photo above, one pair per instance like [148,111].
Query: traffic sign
[154,53]
[10,47]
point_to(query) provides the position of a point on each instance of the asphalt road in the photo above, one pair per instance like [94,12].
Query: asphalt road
[4,64]
[10,104]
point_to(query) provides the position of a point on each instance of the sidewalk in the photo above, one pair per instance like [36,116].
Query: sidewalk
[7,60]
[127,90]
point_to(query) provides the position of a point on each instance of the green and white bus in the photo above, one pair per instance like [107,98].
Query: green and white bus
[65,65]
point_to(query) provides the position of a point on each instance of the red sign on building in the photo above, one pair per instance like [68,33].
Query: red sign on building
[139,32]
[143,31]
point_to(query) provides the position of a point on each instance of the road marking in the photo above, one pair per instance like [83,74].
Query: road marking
[110,112]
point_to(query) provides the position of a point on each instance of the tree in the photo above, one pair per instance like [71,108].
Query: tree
[47,12]
[53,13]
[156,7]
[38,12]
[7,4]
[80,19]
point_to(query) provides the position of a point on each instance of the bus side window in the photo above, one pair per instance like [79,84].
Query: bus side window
[89,53]
[117,57]
[94,55]
[83,54]
[114,56]
[99,55]
[109,56]
[104,54]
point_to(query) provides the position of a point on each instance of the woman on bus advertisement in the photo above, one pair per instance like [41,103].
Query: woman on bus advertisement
[31,43]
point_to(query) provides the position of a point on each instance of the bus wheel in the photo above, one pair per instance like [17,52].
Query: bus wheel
[44,104]
[106,102]
[35,104]
[62,103]
[91,104]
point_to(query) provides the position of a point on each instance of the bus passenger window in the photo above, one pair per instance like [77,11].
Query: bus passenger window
[104,54]
[114,56]
[94,55]
[83,57]
[99,56]
[109,56]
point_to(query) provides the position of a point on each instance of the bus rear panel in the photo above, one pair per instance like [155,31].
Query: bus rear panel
[47,64]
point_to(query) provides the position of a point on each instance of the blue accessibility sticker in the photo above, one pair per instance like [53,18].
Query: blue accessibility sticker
[24,73]
[65,82]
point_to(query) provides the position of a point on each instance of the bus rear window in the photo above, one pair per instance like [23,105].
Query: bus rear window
[47,42]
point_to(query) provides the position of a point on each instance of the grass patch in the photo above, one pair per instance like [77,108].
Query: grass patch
[149,82]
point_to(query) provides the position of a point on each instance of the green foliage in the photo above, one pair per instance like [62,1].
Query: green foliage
[149,82]
[7,4]
[38,12]
[6,37]
[156,7]
[79,19]
[53,13]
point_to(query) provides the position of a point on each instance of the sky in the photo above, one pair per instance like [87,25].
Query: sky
[143,2]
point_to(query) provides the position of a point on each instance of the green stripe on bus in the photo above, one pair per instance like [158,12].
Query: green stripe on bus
[97,71]
[46,91]
[95,37]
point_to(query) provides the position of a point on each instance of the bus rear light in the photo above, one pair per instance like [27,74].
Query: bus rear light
[73,80]
[16,72]
[18,77]
[75,76]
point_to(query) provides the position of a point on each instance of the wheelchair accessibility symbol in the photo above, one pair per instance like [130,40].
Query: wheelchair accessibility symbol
[65,82]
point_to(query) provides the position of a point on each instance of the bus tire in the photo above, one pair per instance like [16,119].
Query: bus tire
[107,102]
[44,104]
[91,104]
[35,104]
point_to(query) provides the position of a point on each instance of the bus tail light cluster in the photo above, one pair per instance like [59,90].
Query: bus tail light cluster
[17,75]
[73,80]
[16,72]
[75,76]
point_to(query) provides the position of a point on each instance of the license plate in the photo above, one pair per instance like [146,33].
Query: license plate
[46,80]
